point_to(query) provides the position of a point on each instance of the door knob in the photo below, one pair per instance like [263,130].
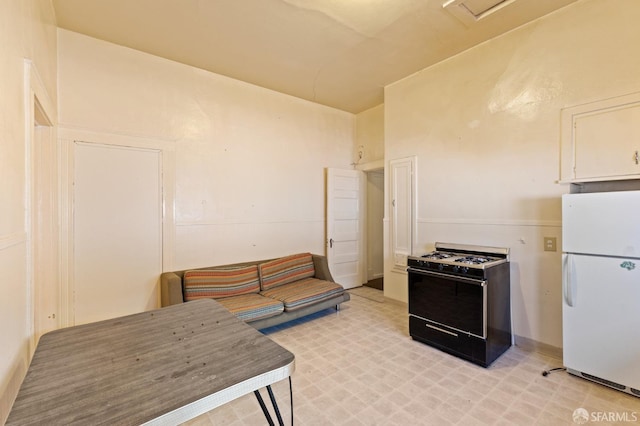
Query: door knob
[330,242]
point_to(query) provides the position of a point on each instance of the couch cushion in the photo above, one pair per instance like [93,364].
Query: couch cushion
[304,292]
[249,307]
[220,282]
[285,270]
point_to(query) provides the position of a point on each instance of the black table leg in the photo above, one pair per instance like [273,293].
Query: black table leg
[275,405]
[264,408]
[267,415]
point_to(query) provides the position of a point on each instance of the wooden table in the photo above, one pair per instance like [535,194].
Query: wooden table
[159,367]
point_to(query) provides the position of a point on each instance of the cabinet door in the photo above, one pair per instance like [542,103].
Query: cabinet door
[607,142]
[601,140]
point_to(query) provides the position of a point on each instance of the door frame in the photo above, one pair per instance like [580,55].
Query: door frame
[67,137]
[39,111]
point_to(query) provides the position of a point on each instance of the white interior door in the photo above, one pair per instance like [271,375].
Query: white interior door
[345,226]
[117,230]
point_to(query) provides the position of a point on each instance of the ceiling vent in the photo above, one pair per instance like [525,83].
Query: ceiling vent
[471,11]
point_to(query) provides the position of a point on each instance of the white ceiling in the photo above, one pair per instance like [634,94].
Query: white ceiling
[339,53]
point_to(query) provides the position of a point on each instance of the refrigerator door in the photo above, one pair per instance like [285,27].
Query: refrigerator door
[601,317]
[602,223]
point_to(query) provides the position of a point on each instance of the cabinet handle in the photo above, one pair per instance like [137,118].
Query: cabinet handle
[637,158]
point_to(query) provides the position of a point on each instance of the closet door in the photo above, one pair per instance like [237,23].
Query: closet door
[117,230]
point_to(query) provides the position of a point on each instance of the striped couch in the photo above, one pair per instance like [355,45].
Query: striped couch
[262,293]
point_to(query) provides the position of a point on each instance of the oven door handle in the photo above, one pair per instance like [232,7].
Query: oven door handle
[481,283]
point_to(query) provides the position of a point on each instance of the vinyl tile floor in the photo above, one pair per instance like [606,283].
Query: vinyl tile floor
[358,366]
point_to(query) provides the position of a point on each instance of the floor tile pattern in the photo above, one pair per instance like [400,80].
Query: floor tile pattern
[358,366]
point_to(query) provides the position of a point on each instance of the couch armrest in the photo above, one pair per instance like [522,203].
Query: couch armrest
[170,289]
[322,268]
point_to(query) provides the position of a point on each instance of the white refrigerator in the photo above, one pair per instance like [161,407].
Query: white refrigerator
[601,287]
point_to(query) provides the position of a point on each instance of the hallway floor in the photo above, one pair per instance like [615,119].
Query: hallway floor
[377,283]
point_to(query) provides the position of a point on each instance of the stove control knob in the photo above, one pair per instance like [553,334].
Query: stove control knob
[465,270]
[441,266]
[456,268]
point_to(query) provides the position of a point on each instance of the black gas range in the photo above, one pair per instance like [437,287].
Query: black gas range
[459,259]
[459,300]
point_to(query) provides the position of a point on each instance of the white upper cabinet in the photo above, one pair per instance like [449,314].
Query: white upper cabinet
[601,140]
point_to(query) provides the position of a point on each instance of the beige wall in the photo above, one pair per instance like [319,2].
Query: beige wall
[27,31]
[249,161]
[485,128]
[369,156]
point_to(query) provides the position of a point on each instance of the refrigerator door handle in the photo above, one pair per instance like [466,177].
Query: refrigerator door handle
[568,284]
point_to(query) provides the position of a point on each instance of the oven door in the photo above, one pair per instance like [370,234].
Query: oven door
[459,303]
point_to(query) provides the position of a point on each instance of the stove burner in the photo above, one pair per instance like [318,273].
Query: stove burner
[473,260]
[469,261]
[439,255]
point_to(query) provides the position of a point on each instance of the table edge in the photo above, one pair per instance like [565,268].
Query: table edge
[208,403]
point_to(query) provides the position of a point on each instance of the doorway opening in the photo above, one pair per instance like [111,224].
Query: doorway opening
[375,228]
[44,224]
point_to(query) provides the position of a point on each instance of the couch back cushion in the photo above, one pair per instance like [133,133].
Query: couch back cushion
[286,270]
[220,282]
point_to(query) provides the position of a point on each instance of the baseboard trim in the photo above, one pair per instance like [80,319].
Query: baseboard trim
[531,345]
[11,388]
